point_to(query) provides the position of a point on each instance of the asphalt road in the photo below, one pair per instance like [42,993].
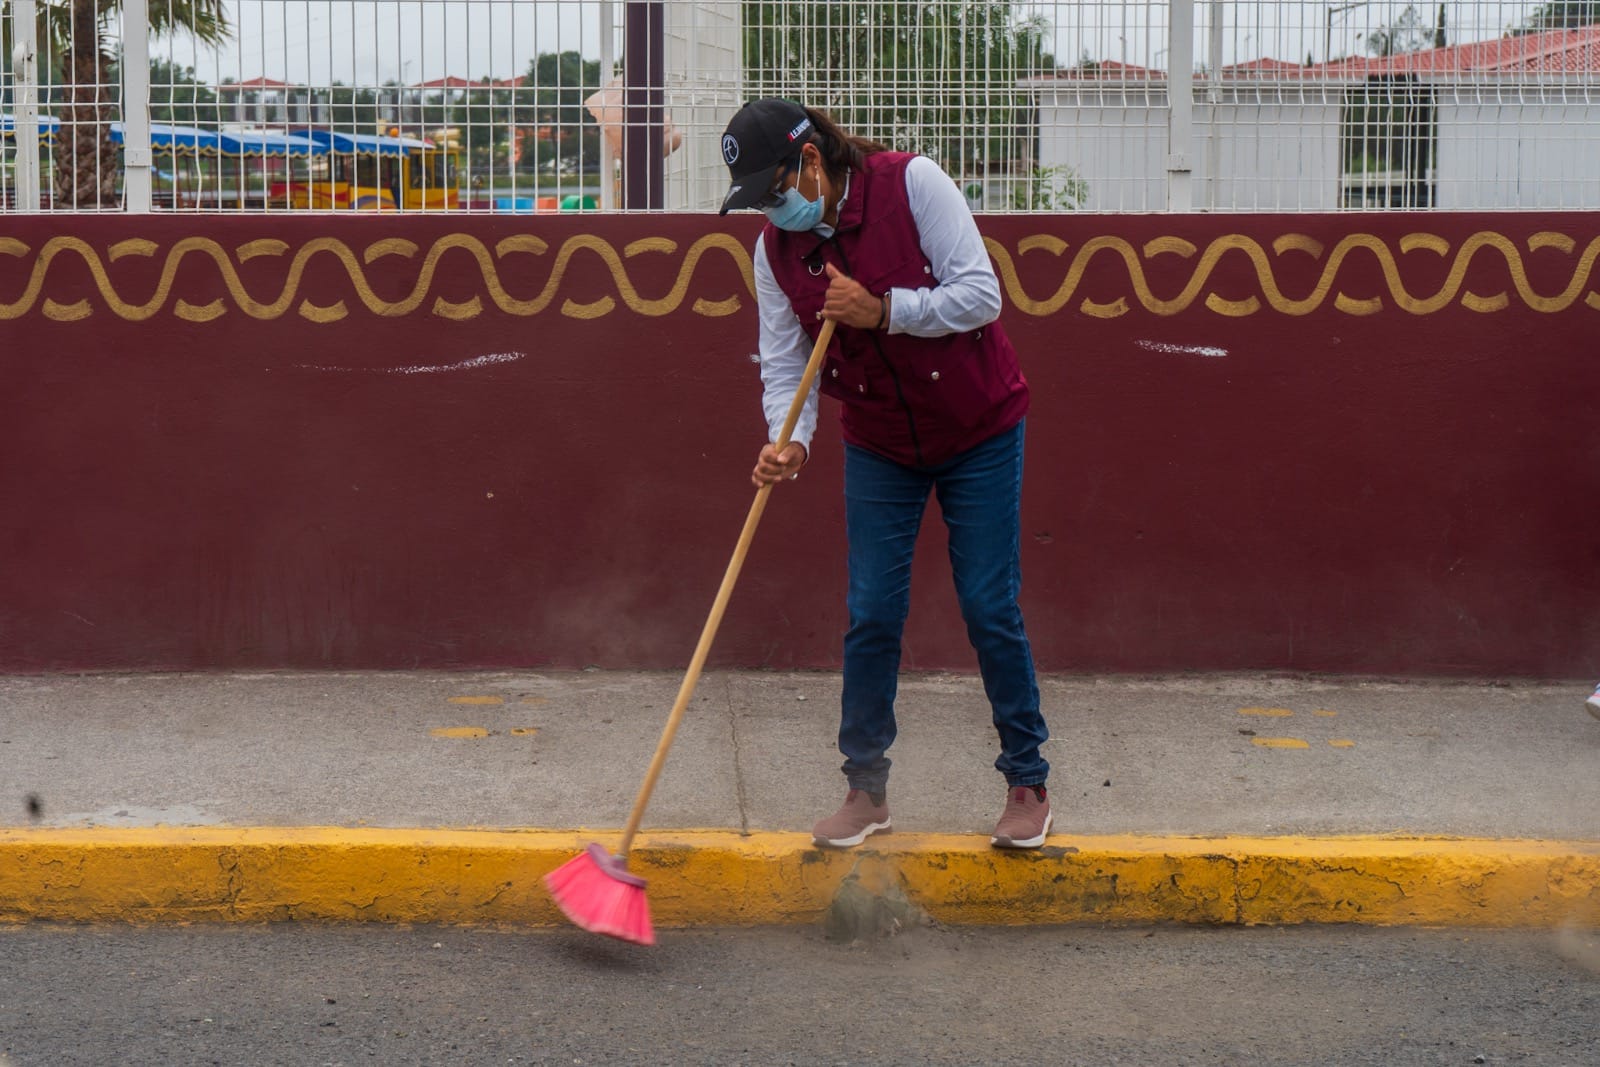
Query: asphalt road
[310,995]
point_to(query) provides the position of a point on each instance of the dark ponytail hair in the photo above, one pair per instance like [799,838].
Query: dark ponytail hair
[841,151]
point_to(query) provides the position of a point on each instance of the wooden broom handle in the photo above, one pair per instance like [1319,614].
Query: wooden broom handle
[747,535]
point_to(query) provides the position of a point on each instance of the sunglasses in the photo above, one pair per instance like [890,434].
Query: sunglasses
[774,196]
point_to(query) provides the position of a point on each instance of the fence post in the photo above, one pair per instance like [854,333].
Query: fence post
[136,157]
[643,66]
[1180,106]
[608,71]
[1214,105]
[25,108]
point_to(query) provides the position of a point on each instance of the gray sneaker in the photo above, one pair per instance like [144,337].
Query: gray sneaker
[1026,820]
[857,819]
[1593,703]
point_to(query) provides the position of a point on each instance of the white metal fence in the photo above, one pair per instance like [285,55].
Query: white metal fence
[552,105]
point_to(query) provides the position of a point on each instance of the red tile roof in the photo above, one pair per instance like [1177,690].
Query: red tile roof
[254,83]
[1262,67]
[1574,51]
[1105,69]
[1549,53]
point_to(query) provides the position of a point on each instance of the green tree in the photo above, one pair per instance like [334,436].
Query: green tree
[1389,126]
[1560,15]
[179,97]
[559,132]
[1058,188]
[75,32]
[932,76]
[479,114]
[352,110]
[1407,33]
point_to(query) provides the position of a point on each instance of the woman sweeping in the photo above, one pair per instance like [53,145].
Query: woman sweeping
[932,401]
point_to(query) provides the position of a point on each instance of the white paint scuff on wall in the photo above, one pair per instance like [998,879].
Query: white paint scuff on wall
[1182,350]
[426,368]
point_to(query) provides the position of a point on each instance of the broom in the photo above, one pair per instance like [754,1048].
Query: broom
[595,889]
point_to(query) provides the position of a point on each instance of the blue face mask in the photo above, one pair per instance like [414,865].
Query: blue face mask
[795,212]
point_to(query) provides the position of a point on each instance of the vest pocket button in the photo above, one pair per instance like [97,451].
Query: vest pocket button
[934,375]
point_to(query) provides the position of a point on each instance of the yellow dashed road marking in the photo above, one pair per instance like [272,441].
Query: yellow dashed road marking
[459,731]
[1341,743]
[1279,742]
[1275,713]
[1324,713]
[524,731]
[477,700]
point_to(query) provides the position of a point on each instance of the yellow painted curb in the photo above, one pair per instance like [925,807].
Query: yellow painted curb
[724,878]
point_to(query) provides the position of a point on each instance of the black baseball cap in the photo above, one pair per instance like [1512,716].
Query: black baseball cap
[763,136]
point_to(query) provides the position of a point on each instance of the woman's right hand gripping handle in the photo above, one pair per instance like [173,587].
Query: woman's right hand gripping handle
[774,466]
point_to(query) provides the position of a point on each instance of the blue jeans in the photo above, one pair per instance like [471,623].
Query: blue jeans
[980,494]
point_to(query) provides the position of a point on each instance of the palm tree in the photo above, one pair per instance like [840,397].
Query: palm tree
[73,32]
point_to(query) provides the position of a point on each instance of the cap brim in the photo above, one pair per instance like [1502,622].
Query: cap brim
[747,190]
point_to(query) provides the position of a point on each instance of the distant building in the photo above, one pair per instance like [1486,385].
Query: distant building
[1508,123]
[267,103]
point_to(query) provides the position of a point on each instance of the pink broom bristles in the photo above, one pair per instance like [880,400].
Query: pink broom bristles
[596,891]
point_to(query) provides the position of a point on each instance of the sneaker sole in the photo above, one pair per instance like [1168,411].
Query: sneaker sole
[850,842]
[1031,842]
[1592,706]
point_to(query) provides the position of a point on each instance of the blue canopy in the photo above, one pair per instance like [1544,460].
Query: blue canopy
[179,140]
[365,144]
[270,144]
[49,126]
[193,141]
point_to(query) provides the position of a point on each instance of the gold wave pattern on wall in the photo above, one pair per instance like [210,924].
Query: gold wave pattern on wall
[1279,301]
[491,265]
[501,259]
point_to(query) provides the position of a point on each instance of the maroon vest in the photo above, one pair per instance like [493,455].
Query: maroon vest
[915,400]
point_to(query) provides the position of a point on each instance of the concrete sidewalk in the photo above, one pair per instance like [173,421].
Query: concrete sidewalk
[423,796]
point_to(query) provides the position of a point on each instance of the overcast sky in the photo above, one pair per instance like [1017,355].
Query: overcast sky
[362,42]
[369,42]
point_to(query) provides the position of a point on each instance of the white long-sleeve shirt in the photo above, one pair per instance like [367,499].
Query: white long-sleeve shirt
[965,296]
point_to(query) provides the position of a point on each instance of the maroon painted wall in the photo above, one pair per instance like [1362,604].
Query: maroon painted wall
[383,442]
